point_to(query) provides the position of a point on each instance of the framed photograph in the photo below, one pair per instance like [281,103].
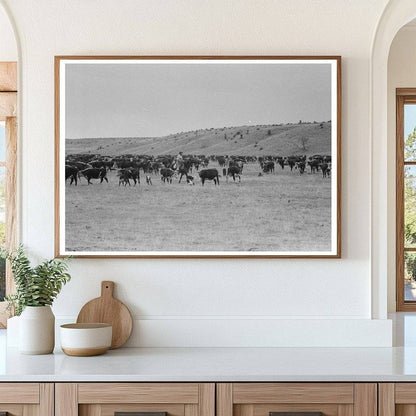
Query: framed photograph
[198,156]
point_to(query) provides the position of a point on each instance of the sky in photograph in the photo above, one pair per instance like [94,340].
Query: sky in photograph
[150,100]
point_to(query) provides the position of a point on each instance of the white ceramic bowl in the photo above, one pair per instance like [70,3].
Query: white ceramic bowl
[83,340]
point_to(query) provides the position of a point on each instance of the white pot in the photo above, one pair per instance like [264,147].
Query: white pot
[37,330]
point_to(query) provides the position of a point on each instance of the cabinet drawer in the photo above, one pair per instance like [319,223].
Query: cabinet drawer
[138,393]
[153,399]
[293,393]
[21,399]
[143,409]
[19,393]
[297,399]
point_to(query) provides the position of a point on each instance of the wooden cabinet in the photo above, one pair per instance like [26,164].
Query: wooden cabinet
[208,399]
[397,399]
[27,399]
[297,399]
[106,399]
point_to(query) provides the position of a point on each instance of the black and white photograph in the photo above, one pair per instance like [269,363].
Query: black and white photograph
[198,156]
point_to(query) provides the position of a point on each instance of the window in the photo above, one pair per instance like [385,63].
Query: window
[406,199]
[8,171]
[2,207]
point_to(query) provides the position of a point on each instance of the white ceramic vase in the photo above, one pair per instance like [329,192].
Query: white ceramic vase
[37,330]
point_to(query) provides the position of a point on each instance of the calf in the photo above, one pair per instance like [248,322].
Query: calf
[190,180]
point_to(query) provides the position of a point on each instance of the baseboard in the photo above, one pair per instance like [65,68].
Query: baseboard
[148,332]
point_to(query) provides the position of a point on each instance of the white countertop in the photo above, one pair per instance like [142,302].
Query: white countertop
[213,364]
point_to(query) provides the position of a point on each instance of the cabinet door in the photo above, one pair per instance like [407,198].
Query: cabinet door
[26,399]
[144,399]
[297,399]
[397,399]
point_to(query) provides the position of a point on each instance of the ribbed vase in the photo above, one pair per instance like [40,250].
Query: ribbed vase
[37,330]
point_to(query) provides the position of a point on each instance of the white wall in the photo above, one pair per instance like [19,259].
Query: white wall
[401,74]
[179,302]
[8,47]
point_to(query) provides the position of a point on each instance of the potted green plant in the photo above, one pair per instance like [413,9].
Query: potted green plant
[36,289]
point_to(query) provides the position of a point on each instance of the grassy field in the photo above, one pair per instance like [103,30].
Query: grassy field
[283,211]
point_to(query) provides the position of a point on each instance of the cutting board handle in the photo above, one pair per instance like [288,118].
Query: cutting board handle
[107,289]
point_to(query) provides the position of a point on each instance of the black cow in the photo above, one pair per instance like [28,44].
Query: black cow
[135,175]
[71,172]
[126,174]
[98,164]
[124,163]
[94,173]
[291,161]
[268,167]
[239,163]
[167,174]
[123,178]
[221,160]
[144,164]
[196,162]
[315,165]
[326,170]
[155,166]
[209,174]
[234,171]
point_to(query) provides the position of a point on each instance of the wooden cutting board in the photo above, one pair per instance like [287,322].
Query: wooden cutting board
[107,309]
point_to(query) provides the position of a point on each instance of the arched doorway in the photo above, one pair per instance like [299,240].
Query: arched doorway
[396,14]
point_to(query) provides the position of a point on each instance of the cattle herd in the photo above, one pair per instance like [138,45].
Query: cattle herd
[185,167]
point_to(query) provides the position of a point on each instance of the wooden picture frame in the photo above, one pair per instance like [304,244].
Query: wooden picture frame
[165,90]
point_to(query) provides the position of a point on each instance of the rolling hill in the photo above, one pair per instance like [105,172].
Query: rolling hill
[276,139]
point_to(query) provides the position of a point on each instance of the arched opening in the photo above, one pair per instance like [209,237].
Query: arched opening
[396,15]
[401,112]
[8,149]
